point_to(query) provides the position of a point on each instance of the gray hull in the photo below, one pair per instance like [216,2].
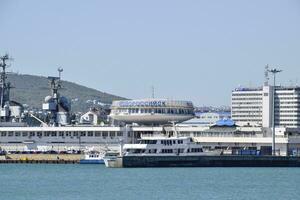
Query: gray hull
[210,161]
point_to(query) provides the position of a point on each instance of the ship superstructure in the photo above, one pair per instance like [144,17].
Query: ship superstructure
[10,111]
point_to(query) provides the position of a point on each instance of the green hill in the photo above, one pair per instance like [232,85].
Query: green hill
[32,90]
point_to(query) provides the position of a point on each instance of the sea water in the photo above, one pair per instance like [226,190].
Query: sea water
[88,182]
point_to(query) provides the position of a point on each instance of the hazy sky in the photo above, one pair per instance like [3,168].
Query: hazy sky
[193,50]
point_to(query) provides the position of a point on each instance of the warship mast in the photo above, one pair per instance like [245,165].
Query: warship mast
[5,90]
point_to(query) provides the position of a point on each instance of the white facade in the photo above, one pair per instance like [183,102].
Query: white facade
[246,106]
[75,138]
[254,106]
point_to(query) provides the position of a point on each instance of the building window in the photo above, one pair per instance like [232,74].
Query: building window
[75,134]
[104,134]
[119,134]
[39,134]
[97,134]
[82,133]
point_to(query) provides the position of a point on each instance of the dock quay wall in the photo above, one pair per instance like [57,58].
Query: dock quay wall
[41,158]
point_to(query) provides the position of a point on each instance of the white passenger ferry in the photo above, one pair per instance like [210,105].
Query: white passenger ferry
[166,146]
[157,150]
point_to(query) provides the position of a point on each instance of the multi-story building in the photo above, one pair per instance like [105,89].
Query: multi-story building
[254,106]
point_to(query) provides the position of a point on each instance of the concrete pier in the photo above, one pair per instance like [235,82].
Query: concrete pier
[41,158]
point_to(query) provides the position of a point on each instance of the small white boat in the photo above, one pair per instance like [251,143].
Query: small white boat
[93,157]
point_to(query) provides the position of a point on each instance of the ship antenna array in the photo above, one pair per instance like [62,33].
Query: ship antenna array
[55,82]
[60,70]
[3,77]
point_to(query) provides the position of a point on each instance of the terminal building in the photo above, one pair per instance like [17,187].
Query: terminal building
[152,111]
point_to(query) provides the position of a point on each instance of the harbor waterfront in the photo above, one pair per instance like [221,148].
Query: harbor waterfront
[47,182]
[150,132]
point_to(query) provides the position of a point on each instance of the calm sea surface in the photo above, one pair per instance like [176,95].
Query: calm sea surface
[44,182]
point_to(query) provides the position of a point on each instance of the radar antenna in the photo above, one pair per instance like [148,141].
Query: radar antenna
[60,70]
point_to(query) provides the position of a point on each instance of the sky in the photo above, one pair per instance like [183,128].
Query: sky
[190,50]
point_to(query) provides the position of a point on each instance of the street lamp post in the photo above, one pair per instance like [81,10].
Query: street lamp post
[274,72]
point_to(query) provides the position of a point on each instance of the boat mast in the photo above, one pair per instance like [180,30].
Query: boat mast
[3,77]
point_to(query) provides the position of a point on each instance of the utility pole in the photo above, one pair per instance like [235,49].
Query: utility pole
[274,72]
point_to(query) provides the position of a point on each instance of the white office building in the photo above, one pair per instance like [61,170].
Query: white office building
[254,106]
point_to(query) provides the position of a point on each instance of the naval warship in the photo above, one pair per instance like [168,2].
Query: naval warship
[58,134]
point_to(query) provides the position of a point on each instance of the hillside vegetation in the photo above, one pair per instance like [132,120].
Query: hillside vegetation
[32,90]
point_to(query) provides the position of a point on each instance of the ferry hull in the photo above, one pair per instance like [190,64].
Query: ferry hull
[83,161]
[210,161]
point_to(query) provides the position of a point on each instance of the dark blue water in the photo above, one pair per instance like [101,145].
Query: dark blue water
[44,182]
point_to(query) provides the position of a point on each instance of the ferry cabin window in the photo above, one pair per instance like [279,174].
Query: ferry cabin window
[196,150]
[25,134]
[167,150]
[90,134]
[3,134]
[148,142]
[17,134]
[152,151]
[32,134]
[53,134]
[61,133]
[10,134]
[166,142]
[180,141]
